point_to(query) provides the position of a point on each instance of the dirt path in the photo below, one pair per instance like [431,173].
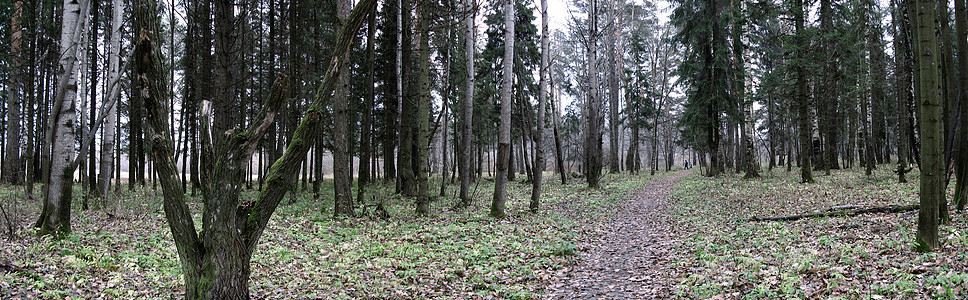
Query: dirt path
[627,259]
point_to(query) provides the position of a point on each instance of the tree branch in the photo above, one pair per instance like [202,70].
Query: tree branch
[281,174]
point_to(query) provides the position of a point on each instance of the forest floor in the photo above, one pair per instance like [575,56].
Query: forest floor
[628,255]
[125,250]
[721,255]
[673,235]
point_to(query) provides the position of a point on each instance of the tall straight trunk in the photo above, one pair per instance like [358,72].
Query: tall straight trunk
[932,140]
[593,136]
[878,80]
[830,96]
[865,135]
[543,74]
[948,92]
[556,120]
[12,170]
[504,133]
[613,88]
[422,167]
[342,171]
[902,50]
[56,214]
[92,187]
[29,79]
[445,106]
[751,168]
[226,103]
[961,163]
[806,124]
[467,137]
[407,183]
[114,75]
[713,130]
[367,125]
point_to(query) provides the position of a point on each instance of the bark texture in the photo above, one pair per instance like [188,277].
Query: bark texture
[932,139]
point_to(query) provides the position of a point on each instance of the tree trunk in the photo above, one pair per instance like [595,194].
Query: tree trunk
[543,74]
[932,140]
[215,262]
[961,163]
[56,214]
[593,136]
[408,118]
[342,172]
[467,105]
[504,133]
[367,125]
[12,171]
[445,106]
[613,88]
[902,50]
[114,75]
[806,125]
[422,167]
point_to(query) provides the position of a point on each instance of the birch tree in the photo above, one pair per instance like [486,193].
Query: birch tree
[58,172]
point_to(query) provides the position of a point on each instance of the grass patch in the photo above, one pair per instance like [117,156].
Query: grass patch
[866,256]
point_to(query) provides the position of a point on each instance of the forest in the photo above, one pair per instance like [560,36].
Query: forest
[415,149]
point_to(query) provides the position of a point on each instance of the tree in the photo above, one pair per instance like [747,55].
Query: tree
[829,97]
[751,168]
[342,172]
[961,163]
[614,72]
[903,72]
[593,135]
[504,134]
[543,74]
[215,261]
[12,170]
[59,171]
[932,140]
[421,166]
[114,75]
[467,106]
[803,99]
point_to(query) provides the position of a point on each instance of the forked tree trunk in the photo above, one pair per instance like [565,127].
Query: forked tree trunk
[215,261]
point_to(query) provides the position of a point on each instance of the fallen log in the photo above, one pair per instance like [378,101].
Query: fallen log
[840,213]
